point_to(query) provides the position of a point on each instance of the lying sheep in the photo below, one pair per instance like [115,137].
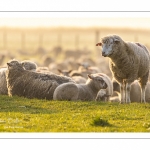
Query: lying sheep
[87,91]
[86,67]
[65,72]
[30,84]
[29,65]
[104,95]
[3,83]
[77,78]
[135,94]
[114,99]
[128,62]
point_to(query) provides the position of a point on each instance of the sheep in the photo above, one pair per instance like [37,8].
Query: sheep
[3,83]
[64,72]
[29,65]
[128,62]
[87,91]
[135,94]
[30,84]
[114,99]
[104,94]
[86,67]
[77,78]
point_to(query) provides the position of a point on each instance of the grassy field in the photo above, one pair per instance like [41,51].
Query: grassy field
[31,115]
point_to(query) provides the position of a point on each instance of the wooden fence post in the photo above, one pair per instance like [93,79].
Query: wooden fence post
[22,40]
[5,40]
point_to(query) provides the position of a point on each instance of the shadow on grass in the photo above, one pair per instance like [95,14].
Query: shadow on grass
[101,122]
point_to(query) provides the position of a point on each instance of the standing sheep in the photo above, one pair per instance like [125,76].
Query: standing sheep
[128,62]
[31,84]
[87,91]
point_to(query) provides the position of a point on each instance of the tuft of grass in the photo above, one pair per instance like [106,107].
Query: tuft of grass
[101,122]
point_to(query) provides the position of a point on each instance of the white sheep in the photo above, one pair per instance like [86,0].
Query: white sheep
[31,84]
[128,62]
[135,94]
[77,78]
[87,91]
[3,83]
[104,94]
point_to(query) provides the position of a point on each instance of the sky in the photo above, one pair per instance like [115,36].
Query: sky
[76,19]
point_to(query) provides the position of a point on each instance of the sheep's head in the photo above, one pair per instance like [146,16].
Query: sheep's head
[98,81]
[65,72]
[14,64]
[102,95]
[109,45]
[28,65]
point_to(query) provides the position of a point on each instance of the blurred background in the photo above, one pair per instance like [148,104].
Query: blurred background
[62,43]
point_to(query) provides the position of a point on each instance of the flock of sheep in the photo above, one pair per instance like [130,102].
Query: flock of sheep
[129,62]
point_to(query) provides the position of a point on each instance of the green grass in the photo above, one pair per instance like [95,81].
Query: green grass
[19,114]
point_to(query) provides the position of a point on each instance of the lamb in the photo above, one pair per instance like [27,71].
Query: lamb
[87,91]
[128,62]
[104,94]
[30,84]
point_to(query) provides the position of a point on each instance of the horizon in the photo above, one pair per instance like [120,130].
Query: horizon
[84,22]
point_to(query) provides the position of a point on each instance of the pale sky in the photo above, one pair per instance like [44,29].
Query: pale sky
[82,19]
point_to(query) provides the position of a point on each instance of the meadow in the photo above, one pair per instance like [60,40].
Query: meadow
[18,114]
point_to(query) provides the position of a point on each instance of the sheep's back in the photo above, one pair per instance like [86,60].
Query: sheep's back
[143,56]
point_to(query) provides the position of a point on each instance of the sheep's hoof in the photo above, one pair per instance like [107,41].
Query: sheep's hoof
[143,101]
[122,102]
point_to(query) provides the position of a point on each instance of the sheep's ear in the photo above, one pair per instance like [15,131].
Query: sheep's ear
[116,41]
[99,44]
[79,64]
[90,76]
[59,70]
[69,71]
[8,64]
[104,84]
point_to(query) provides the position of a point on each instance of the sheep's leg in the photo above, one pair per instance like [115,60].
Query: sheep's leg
[143,82]
[143,94]
[122,93]
[127,92]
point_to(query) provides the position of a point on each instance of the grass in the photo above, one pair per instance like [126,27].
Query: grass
[31,115]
